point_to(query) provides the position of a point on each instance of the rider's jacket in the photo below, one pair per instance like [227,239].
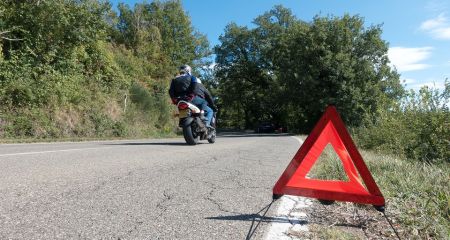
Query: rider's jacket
[201,91]
[182,86]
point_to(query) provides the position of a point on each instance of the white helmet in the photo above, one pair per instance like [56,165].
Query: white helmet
[185,69]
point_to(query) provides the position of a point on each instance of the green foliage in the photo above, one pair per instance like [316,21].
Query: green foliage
[49,30]
[286,70]
[70,67]
[340,62]
[419,128]
[161,32]
[142,97]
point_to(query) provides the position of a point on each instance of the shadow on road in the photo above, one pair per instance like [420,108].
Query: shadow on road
[152,144]
[239,134]
[256,219]
[253,217]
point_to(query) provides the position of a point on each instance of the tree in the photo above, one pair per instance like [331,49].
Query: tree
[337,61]
[162,33]
[242,80]
[288,71]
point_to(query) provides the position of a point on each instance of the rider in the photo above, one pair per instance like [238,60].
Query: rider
[204,100]
[183,85]
[188,87]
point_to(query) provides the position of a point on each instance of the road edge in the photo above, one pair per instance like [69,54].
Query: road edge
[289,217]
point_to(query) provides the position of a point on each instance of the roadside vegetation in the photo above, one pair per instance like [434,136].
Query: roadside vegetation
[410,161]
[417,127]
[417,197]
[78,69]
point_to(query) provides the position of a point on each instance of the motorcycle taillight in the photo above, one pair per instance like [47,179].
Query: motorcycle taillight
[182,106]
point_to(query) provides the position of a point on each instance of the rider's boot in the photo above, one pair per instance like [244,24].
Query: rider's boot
[210,132]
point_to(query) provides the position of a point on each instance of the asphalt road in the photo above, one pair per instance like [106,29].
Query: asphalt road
[142,189]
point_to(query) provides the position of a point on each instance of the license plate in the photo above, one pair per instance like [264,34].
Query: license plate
[183,113]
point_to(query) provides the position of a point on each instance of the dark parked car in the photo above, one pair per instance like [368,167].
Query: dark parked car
[266,127]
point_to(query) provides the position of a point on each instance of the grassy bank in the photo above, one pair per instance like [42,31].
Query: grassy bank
[82,69]
[157,135]
[417,194]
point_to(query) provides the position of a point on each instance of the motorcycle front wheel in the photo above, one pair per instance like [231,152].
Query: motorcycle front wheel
[190,137]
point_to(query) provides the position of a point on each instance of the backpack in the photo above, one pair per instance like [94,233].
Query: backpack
[181,85]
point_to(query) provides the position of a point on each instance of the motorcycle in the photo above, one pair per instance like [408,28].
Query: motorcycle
[193,123]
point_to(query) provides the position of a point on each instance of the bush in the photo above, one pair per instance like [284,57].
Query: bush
[142,97]
[418,129]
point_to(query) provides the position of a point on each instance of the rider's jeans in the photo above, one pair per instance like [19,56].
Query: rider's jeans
[203,105]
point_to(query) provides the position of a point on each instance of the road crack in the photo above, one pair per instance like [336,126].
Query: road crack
[161,204]
[217,203]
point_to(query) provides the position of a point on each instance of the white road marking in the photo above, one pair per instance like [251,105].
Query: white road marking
[54,151]
[72,142]
[289,209]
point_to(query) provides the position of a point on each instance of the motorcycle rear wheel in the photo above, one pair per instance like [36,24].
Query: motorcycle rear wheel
[189,136]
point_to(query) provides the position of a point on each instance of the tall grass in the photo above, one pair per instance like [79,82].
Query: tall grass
[417,193]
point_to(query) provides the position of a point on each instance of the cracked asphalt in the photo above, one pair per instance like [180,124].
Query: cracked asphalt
[140,189]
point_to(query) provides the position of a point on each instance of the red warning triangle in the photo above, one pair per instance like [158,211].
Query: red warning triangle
[329,130]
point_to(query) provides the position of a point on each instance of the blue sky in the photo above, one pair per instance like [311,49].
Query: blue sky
[418,31]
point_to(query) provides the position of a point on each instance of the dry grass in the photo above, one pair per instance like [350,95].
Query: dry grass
[67,120]
[417,197]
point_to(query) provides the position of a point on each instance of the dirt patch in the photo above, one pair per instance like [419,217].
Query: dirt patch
[67,120]
[113,110]
[346,221]
[2,127]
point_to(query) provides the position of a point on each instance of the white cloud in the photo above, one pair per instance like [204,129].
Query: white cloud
[433,23]
[409,59]
[438,27]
